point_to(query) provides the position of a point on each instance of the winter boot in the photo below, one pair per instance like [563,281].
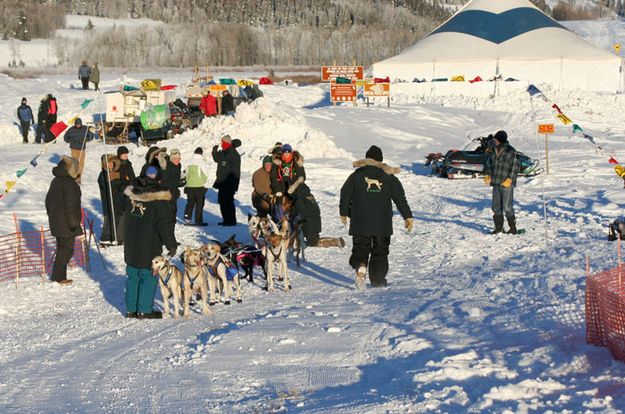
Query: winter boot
[512,224]
[498,224]
[360,277]
[331,242]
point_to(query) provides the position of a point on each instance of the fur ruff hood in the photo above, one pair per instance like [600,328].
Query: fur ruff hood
[67,166]
[368,162]
[113,159]
[297,157]
[160,154]
[146,197]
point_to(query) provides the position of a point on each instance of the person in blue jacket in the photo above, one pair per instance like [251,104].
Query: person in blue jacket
[25,116]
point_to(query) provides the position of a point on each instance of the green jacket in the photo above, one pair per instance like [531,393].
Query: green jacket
[196,172]
[503,163]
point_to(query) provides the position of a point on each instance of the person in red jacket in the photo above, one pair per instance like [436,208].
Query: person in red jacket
[208,105]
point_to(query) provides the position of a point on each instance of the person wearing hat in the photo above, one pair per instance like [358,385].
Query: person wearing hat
[262,194]
[53,109]
[208,104]
[287,172]
[197,177]
[25,116]
[148,227]
[84,72]
[228,176]
[156,157]
[64,215]
[111,193]
[42,121]
[126,178]
[502,169]
[77,137]
[227,103]
[367,199]
[172,179]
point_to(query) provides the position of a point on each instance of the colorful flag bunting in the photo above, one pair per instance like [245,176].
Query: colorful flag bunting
[577,128]
[10,185]
[557,108]
[58,128]
[613,160]
[86,103]
[21,172]
[564,119]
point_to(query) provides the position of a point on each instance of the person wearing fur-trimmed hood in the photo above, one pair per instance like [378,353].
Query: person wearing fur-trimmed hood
[109,182]
[148,222]
[367,199]
[287,172]
[158,158]
[64,215]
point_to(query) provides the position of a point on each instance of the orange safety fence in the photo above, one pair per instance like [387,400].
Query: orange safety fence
[605,310]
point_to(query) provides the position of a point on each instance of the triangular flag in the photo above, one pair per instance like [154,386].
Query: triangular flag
[10,185]
[86,103]
[612,160]
[72,121]
[565,119]
[21,172]
[590,138]
[557,108]
[58,128]
[33,162]
[577,128]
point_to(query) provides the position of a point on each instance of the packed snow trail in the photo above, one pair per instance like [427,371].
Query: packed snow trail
[469,323]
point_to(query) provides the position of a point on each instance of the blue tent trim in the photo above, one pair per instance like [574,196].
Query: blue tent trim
[498,28]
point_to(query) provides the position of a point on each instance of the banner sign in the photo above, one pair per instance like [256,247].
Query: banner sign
[330,73]
[343,92]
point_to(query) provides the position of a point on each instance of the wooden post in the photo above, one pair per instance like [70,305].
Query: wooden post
[547,151]
[43,255]
[388,101]
[587,267]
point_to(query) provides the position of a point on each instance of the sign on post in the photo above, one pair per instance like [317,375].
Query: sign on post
[217,90]
[343,92]
[546,129]
[377,89]
[330,73]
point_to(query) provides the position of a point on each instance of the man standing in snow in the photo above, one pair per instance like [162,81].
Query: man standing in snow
[64,215]
[94,77]
[84,72]
[366,199]
[208,104]
[148,227]
[197,176]
[25,115]
[53,110]
[77,136]
[42,121]
[501,171]
[228,176]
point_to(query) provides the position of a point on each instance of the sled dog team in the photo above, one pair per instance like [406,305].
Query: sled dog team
[212,270]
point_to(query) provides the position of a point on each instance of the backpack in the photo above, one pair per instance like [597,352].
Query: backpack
[616,230]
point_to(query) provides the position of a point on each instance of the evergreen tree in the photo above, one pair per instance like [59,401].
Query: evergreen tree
[89,25]
[21,28]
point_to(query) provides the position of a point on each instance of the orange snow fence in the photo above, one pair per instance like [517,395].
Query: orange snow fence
[31,253]
[605,311]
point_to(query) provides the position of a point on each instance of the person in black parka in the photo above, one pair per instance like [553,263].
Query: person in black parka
[111,195]
[64,215]
[42,121]
[227,104]
[228,176]
[309,214]
[148,229]
[366,199]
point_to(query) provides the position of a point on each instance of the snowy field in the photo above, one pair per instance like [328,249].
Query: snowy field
[470,322]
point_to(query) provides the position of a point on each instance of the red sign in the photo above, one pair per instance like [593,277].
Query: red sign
[546,129]
[343,92]
[330,73]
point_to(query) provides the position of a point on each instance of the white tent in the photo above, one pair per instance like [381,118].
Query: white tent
[511,38]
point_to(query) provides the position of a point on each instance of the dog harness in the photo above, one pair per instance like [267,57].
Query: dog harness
[276,256]
[171,272]
[231,271]
[193,279]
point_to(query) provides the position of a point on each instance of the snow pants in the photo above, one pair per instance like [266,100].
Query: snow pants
[195,201]
[140,290]
[25,126]
[64,253]
[371,251]
[502,201]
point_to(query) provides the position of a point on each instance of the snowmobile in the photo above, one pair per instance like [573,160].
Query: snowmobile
[470,164]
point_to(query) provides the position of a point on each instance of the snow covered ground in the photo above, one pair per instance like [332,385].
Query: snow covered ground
[470,322]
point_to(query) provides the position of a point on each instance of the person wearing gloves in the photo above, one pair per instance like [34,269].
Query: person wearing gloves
[502,169]
[64,215]
[228,176]
[366,199]
[287,172]
[77,136]
[262,194]
[197,176]
[148,228]
[25,116]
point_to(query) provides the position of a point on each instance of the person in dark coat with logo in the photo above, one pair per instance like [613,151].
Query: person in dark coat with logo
[42,121]
[227,103]
[148,229]
[25,116]
[112,209]
[77,137]
[366,199]
[502,169]
[84,73]
[228,176]
[64,215]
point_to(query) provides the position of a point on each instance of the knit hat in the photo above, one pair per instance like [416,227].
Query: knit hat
[198,150]
[501,136]
[151,172]
[174,153]
[374,153]
[23,100]
[267,160]
[78,122]
[287,148]
[122,150]
[226,138]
